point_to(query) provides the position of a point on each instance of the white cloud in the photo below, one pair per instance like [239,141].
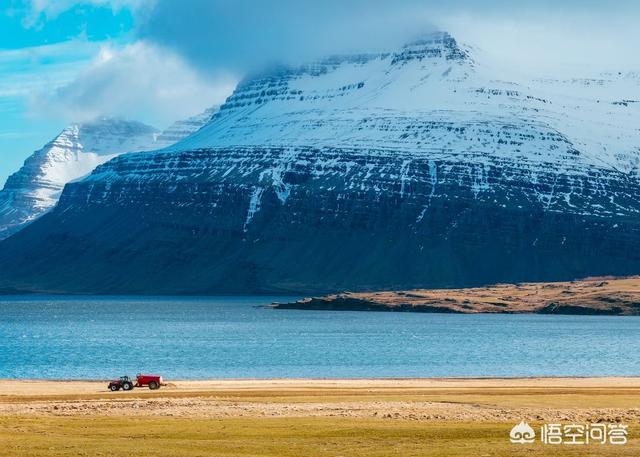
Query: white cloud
[246,35]
[243,34]
[139,81]
[25,70]
[552,42]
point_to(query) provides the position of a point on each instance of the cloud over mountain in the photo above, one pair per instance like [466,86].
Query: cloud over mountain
[140,80]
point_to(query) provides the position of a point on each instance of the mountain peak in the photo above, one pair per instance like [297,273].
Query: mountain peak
[75,152]
[104,136]
[183,128]
[432,45]
[110,124]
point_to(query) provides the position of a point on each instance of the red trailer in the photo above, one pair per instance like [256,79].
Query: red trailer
[151,380]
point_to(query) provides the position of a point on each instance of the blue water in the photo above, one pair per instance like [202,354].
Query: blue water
[229,337]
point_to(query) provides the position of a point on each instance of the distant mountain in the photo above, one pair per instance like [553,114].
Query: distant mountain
[183,128]
[74,153]
[419,167]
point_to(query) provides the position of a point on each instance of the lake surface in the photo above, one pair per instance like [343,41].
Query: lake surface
[229,337]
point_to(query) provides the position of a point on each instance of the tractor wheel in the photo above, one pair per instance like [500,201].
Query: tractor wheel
[153,385]
[127,386]
[113,387]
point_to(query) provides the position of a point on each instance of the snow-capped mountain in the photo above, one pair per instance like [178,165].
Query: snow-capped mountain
[75,152]
[418,167]
[183,128]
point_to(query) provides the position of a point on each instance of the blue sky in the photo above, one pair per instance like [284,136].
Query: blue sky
[162,60]
[54,53]
[37,53]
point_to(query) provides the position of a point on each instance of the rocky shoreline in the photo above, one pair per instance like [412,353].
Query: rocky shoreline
[592,296]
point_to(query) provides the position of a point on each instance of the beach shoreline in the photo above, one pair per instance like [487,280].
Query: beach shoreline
[17,386]
[473,398]
[601,296]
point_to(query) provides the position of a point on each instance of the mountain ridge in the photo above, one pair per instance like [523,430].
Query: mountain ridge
[35,188]
[416,168]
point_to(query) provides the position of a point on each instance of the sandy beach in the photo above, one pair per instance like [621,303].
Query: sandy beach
[593,399]
[578,399]
[31,408]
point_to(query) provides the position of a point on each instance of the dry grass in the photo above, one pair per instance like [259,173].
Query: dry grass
[282,437]
[614,296]
[309,418]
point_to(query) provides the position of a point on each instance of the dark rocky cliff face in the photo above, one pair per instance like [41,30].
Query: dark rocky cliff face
[199,229]
[401,170]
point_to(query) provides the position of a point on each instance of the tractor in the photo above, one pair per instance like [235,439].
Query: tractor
[123,383]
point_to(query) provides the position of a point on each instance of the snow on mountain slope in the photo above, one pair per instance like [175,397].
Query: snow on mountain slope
[74,153]
[433,100]
[409,94]
[183,128]
[419,167]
